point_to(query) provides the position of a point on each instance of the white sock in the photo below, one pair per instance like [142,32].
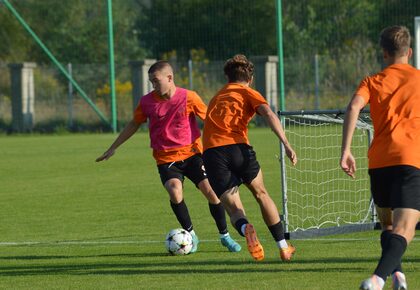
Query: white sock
[400,273]
[243,229]
[282,244]
[192,232]
[381,281]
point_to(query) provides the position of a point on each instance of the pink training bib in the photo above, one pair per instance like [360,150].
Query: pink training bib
[169,125]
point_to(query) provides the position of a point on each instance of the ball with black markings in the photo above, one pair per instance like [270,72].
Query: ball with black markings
[179,242]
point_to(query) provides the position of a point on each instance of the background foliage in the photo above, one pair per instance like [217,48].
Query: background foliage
[341,34]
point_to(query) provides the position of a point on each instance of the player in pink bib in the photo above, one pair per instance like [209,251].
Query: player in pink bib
[176,143]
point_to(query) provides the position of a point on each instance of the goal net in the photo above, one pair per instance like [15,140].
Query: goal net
[318,197]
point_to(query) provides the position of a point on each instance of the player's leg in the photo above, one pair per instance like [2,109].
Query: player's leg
[218,213]
[405,221]
[194,170]
[270,215]
[380,183]
[233,204]
[225,185]
[385,216]
[172,179]
[174,188]
[406,213]
[393,248]
[396,187]
[252,177]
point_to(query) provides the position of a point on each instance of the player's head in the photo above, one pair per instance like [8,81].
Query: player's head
[395,40]
[162,77]
[239,69]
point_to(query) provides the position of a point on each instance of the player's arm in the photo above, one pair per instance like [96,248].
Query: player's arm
[275,125]
[125,134]
[196,105]
[347,161]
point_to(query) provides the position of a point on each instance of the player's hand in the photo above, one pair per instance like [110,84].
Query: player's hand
[291,154]
[107,154]
[348,164]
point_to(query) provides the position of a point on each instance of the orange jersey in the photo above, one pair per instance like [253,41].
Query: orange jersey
[228,115]
[178,154]
[394,98]
[174,133]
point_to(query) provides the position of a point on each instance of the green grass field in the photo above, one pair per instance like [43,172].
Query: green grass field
[70,223]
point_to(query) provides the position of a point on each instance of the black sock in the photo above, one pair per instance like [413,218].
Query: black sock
[384,238]
[392,253]
[218,213]
[239,223]
[183,216]
[277,231]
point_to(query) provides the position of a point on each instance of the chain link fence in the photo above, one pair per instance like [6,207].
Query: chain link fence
[329,46]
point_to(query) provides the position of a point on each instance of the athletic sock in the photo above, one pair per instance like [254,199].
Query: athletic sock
[392,253]
[282,244]
[241,223]
[277,231]
[183,216]
[384,238]
[219,216]
[380,281]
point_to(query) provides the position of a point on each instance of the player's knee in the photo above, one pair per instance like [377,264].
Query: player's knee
[261,195]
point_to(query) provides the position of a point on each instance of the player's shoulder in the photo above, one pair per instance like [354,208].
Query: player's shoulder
[374,77]
[192,94]
[148,96]
[254,93]
[146,99]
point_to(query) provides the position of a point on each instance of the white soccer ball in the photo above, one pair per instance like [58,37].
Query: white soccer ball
[179,242]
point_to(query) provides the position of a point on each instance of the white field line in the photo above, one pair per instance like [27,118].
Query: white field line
[57,243]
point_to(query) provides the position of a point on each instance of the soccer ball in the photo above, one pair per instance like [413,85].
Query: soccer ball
[179,242]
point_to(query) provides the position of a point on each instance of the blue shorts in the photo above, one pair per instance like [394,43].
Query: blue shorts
[396,186]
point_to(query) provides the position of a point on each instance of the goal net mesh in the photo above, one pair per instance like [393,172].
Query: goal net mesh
[318,197]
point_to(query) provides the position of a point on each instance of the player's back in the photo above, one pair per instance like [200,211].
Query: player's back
[395,111]
[228,115]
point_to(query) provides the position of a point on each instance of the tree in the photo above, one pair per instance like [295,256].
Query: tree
[74,31]
[220,27]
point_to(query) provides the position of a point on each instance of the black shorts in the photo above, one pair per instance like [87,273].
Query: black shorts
[229,166]
[191,167]
[396,186]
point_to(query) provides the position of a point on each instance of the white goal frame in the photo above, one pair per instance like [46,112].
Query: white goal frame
[307,190]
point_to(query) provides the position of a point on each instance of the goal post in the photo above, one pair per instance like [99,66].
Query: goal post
[318,198]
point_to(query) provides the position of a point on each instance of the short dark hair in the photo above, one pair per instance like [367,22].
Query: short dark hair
[239,69]
[158,66]
[395,40]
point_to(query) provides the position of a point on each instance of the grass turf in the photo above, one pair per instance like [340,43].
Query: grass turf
[70,223]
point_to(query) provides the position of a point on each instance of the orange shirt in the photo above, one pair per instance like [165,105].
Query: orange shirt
[394,98]
[178,154]
[228,115]
[194,107]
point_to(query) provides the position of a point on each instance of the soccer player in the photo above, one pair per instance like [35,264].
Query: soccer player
[394,155]
[175,139]
[231,161]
